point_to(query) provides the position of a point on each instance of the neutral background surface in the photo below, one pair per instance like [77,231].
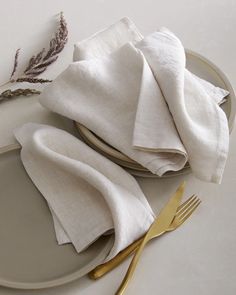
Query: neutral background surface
[199,258]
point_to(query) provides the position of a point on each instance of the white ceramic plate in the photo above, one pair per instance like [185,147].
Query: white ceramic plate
[30,257]
[196,64]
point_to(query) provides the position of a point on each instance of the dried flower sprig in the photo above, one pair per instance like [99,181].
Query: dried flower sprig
[39,62]
[8,94]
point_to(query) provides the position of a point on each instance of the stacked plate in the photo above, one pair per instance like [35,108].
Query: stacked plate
[199,66]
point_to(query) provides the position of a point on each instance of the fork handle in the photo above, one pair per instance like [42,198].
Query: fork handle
[132,266]
[102,269]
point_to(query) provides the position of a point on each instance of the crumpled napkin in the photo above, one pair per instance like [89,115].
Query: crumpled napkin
[88,194]
[140,99]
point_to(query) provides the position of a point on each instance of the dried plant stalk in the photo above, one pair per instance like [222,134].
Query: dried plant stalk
[39,63]
[8,94]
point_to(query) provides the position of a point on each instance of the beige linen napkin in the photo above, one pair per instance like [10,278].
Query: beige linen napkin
[120,97]
[103,95]
[88,194]
[114,116]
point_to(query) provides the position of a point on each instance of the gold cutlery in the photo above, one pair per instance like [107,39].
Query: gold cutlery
[159,226]
[184,211]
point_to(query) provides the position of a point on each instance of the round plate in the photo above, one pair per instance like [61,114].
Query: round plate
[200,66]
[30,257]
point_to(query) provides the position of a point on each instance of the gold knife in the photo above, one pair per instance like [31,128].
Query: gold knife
[160,224]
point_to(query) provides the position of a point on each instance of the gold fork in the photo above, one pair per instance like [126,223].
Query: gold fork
[183,213]
[151,233]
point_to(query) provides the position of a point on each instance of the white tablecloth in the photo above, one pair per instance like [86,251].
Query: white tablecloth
[200,257]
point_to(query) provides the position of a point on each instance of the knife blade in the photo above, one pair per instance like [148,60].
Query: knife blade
[165,217]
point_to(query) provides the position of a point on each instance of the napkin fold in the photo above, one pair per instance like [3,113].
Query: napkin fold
[88,194]
[193,103]
[139,98]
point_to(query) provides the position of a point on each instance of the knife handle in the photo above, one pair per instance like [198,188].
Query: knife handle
[102,269]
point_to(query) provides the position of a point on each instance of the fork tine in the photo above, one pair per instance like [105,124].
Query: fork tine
[186,204]
[189,212]
[187,208]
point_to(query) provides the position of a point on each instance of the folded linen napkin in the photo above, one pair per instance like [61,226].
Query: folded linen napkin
[119,97]
[88,194]
[103,95]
